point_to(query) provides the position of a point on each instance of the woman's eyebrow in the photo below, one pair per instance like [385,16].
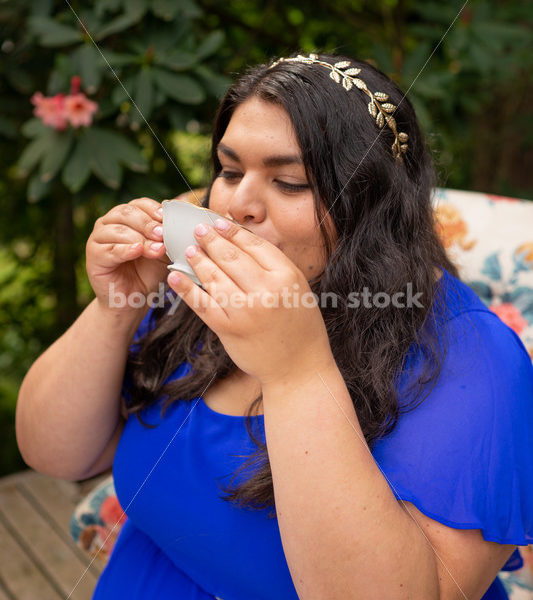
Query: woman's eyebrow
[269,161]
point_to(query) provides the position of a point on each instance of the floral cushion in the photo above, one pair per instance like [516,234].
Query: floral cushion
[97,520]
[490,239]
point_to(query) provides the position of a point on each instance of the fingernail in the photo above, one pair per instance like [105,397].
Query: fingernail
[221,224]
[190,251]
[159,211]
[158,230]
[174,278]
[156,245]
[200,230]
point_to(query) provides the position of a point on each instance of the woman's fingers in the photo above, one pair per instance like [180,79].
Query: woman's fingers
[215,279]
[111,255]
[263,252]
[232,253]
[117,233]
[198,300]
[221,259]
[151,207]
[140,215]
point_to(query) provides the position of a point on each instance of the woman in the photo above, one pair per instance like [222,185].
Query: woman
[383,421]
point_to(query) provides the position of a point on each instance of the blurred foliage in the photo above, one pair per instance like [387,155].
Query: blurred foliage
[153,69]
[157,71]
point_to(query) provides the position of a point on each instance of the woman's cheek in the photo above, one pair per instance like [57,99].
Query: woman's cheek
[216,198]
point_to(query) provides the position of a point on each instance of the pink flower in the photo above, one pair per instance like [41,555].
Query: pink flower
[58,111]
[510,315]
[50,110]
[79,110]
[75,84]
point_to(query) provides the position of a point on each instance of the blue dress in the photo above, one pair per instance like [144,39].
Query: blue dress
[464,457]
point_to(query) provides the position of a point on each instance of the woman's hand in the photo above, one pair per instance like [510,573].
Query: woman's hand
[125,249]
[258,303]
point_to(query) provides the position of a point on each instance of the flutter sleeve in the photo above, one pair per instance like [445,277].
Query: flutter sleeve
[464,456]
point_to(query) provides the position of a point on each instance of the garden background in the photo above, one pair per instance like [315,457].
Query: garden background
[174,59]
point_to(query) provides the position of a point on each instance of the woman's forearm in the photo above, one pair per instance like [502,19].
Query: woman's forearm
[344,534]
[69,402]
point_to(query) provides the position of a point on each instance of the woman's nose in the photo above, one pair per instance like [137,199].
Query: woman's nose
[246,204]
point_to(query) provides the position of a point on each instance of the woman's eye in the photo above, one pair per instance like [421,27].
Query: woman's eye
[293,187]
[229,174]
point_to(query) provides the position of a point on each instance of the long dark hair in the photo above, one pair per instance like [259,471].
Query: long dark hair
[385,239]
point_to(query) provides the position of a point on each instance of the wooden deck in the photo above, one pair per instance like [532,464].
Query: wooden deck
[38,558]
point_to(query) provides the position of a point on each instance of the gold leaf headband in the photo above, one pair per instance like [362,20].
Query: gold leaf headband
[378,107]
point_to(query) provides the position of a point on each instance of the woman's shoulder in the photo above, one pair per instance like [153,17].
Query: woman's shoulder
[486,374]
[464,454]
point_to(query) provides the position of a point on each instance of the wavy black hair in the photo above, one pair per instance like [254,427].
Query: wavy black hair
[385,239]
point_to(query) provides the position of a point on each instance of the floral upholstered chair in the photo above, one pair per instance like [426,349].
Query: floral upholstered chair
[490,239]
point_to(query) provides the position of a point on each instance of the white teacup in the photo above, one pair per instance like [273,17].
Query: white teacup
[179,220]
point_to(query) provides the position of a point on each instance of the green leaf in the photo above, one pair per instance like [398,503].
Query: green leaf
[77,169]
[34,128]
[165,9]
[117,25]
[59,79]
[177,60]
[159,98]
[179,87]
[383,56]
[502,32]
[189,8]
[210,44]
[414,61]
[41,8]
[423,114]
[129,154]
[33,153]
[101,7]
[37,188]
[139,7]
[215,83]
[90,64]
[53,34]
[480,58]
[119,59]
[56,154]
[135,10]
[433,84]
[119,94]
[107,151]
[102,158]
[142,109]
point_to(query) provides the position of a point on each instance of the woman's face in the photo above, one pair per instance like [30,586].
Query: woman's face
[262,184]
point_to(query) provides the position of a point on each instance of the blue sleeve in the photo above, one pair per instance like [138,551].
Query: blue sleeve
[464,457]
